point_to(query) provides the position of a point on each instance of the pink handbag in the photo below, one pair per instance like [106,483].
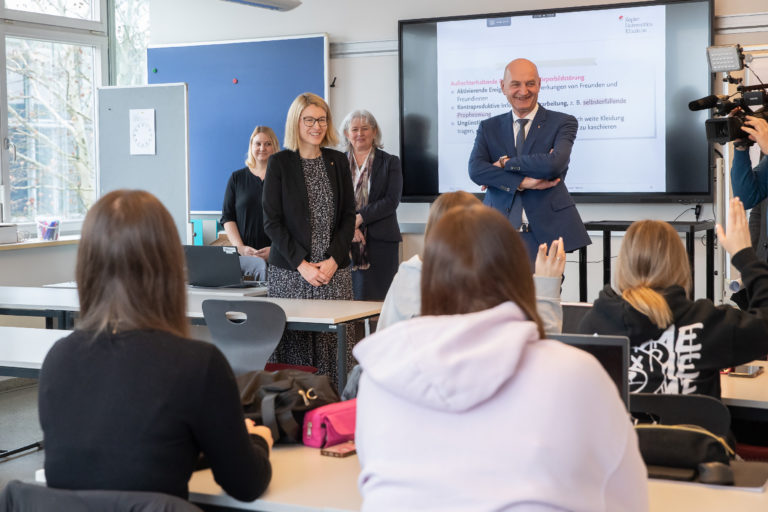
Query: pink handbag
[330,424]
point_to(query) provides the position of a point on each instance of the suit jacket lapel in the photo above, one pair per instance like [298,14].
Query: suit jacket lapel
[538,123]
[298,177]
[375,178]
[507,131]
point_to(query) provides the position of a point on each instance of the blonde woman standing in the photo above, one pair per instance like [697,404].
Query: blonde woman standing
[242,214]
[309,214]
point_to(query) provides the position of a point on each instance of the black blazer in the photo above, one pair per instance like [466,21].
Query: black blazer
[380,214]
[286,209]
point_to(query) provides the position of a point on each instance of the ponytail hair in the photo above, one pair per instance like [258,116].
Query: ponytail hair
[652,257]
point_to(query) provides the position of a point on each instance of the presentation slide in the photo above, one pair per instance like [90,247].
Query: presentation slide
[614,84]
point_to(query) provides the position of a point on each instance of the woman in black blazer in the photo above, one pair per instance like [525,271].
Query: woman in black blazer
[309,214]
[378,184]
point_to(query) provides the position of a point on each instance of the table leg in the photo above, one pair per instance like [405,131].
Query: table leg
[341,356]
[711,264]
[690,236]
[606,256]
[583,274]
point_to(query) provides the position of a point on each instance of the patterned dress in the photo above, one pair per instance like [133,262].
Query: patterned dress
[313,348]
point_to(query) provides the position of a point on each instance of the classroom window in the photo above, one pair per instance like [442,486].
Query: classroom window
[131,40]
[50,128]
[54,54]
[77,9]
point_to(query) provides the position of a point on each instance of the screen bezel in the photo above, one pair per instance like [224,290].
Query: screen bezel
[579,197]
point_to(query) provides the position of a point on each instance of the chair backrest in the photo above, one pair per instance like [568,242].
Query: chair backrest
[704,411]
[573,312]
[247,332]
[22,497]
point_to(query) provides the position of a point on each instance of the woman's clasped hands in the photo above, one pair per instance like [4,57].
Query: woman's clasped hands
[318,274]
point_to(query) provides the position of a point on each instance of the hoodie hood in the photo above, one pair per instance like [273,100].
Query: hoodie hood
[449,363]
[616,311]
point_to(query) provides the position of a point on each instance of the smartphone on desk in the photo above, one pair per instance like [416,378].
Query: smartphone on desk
[746,370]
[340,450]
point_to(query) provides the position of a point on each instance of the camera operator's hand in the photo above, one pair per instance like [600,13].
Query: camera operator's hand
[757,128]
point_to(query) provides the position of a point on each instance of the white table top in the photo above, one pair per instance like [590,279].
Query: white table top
[23,347]
[303,480]
[666,495]
[296,310]
[249,291]
[303,310]
[39,298]
[745,391]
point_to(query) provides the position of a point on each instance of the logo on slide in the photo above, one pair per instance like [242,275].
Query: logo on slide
[634,25]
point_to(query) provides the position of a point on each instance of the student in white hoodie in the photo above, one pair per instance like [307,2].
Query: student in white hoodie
[468,408]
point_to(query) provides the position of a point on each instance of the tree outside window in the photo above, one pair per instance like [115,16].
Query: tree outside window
[51,127]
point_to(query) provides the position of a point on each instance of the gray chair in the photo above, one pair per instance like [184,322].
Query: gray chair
[22,497]
[573,313]
[247,332]
[704,411]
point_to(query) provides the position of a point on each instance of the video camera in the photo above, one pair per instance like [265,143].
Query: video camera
[751,100]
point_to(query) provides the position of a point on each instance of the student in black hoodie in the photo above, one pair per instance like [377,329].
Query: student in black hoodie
[678,345]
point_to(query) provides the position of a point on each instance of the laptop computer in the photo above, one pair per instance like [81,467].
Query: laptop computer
[611,351]
[216,267]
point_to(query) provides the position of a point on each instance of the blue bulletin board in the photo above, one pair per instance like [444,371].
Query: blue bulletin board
[232,87]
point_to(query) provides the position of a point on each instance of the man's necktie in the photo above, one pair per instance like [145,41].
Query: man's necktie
[520,135]
[516,211]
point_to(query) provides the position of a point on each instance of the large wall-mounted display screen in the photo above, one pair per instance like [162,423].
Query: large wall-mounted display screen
[626,72]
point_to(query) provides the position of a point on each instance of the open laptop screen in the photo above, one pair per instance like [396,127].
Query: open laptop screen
[611,351]
[212,266]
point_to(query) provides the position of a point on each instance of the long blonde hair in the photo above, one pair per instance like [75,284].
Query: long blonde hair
[652,257]
[293,119]
[249,160]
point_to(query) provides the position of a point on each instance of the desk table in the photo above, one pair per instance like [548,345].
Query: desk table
[245,291]
[22,350]
[55,304]
[309,315]
[305,481]
[302,481]
[301,314]
[746,397]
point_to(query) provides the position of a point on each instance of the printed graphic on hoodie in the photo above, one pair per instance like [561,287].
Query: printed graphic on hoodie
[667,364]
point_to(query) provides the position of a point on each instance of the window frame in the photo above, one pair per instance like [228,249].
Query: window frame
[98,25]
[99,40]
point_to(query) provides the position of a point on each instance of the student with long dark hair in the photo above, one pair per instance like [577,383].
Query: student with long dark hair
[127,402]
[468,407]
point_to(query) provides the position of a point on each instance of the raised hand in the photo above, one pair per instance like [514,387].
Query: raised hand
[737,237]
[550,263]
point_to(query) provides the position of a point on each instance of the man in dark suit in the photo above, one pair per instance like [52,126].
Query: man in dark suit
[521,159]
